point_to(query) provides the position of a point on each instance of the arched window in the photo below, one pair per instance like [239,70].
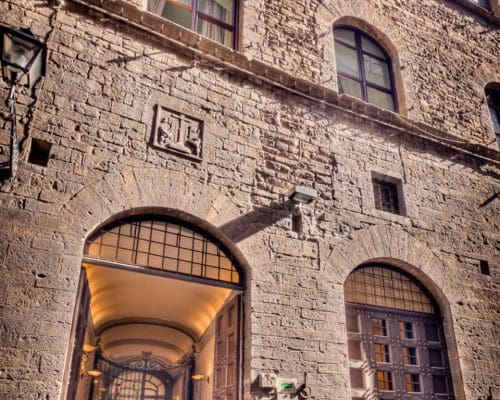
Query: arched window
[493,97]
[482,3]
[396,343]
[162,244]
[363,68]
[216,19]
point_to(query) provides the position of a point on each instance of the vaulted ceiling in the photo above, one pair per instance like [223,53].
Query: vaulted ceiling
[134,312]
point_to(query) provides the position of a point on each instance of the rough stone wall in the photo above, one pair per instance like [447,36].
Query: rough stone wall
[447,53]
[96,108]
[444,53]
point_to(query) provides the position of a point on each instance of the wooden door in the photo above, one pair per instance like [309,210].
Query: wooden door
[80,321]
[227,329]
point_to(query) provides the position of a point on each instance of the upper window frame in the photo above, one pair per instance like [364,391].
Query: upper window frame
[358,34]
[493,102]
[197,15]
[486,4]
[391,277]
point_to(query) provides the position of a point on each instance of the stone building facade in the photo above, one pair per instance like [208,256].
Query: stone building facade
[259,120]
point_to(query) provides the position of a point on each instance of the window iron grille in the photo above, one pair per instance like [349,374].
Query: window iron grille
[163,245]
[385,287]
[386,196]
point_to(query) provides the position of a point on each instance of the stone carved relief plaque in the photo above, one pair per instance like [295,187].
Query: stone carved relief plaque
[178,132]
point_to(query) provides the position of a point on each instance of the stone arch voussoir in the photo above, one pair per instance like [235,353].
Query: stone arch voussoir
[157,191]
[396,247]
[142,189]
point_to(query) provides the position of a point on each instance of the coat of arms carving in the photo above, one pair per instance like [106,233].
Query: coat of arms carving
[178,132]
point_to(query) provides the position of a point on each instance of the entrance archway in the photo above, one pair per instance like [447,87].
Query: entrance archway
[159,315]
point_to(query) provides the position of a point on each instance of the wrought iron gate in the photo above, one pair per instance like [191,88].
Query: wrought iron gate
[142,378]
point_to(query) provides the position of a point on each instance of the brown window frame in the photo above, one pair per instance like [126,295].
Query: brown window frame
[197,15]
[482,3]
[362,80]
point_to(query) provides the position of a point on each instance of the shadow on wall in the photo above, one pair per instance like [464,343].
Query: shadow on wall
[257,220]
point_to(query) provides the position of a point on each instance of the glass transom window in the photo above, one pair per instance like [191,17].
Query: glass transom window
[385,287]
[386,196]
[165,245]
[395,338]
[363,68]
[215,19]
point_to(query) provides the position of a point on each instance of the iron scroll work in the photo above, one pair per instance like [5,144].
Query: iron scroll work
[178,133]
[141,378]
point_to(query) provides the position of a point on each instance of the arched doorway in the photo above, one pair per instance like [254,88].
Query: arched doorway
[159,315]
[396,344]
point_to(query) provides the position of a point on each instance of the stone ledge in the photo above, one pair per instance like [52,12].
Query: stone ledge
[189,42]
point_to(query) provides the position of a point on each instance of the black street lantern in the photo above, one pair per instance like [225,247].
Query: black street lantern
[22,57]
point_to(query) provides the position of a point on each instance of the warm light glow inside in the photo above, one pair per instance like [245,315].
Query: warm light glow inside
[89,348]
[163,245]
[119,295]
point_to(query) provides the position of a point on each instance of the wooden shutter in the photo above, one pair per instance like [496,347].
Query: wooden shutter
[80,321]
[226,351]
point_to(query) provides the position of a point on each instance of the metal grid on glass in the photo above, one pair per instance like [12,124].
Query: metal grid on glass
[384,287]
[137,379]
[382,353]
[412,382]
[379,327]
[386,196]
[163,245]
[410,355]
